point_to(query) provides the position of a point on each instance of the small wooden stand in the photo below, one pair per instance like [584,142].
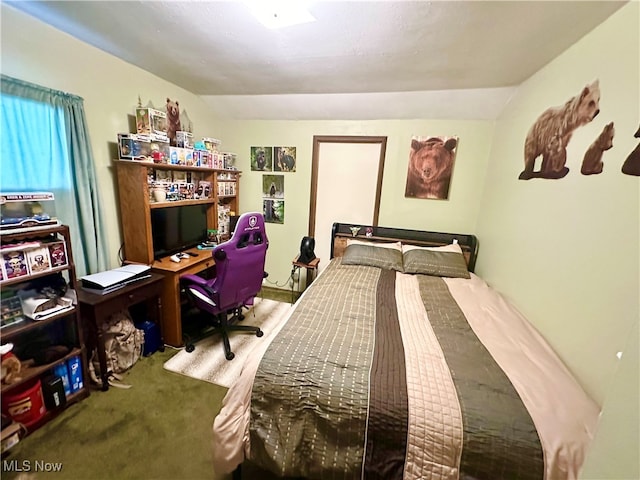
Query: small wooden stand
[312,268]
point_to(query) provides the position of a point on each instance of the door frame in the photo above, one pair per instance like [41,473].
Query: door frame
[317,140]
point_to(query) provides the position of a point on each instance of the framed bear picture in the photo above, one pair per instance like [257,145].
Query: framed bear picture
[431,162]
[262,159]
[284,159]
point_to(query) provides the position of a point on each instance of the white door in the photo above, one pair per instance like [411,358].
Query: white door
[346,186]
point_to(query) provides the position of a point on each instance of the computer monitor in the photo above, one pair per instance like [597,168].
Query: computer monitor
[175,229]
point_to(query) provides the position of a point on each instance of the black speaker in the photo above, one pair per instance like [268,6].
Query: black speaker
[306,250]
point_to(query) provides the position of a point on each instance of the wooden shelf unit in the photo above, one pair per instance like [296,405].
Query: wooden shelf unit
[19,333]
[228,201]
[29,371]
[136,205]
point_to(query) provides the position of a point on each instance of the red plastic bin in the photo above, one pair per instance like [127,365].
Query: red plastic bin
[25,404]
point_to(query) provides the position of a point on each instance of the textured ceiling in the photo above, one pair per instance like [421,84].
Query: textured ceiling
[391,50]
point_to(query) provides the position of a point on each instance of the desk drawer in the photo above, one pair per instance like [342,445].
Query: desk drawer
[120,300]
[142,294]
[199,267]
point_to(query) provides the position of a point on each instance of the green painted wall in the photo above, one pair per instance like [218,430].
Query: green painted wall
[566,252]
[459,213]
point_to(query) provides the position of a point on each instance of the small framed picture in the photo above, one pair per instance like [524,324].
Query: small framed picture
[180,176]
[163,176]
[273,211]
[273,186]
[284,159]
[262,159]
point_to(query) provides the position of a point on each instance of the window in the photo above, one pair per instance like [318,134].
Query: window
[44,147]
[34,153]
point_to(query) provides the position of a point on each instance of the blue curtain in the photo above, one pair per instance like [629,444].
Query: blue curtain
[45,146]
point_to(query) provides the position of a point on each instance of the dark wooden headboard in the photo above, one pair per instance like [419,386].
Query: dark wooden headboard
[342,231]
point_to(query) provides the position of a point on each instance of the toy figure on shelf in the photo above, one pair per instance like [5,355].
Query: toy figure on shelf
[27,210]
[173,121]
[38,260]
[58,254]
[10,371]
[15,264]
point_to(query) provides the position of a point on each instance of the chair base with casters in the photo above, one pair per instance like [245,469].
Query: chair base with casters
[222,325]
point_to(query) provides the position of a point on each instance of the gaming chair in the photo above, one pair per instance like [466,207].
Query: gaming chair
[239,271]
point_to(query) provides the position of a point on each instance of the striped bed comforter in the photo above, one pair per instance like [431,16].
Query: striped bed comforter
[378,374]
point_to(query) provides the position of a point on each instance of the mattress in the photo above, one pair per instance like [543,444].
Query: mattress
[381,374]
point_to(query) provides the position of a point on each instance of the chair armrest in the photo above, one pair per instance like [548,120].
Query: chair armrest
[201,282]
[194,279]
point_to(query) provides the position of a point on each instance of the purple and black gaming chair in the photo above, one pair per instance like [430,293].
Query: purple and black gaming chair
[239,272]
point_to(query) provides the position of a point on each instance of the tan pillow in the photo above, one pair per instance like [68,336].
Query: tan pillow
[445,261]
[375,243]
[452,247]
[373,254]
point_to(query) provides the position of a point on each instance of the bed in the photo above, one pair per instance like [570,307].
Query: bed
[398,362]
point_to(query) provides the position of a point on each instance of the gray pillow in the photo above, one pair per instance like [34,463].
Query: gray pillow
[371,256]
[435,263]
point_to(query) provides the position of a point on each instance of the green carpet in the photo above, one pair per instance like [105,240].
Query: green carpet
[158,429]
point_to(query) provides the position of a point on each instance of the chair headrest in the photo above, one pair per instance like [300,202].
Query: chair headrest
[249,222]
[250,230]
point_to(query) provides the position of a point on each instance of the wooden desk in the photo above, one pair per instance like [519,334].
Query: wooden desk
[96,309]
[172,271]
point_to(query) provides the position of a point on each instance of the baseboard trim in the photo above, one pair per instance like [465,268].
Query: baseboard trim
[279,294]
